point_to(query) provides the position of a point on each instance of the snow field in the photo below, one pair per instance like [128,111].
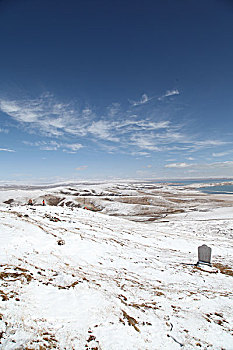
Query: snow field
[114,284]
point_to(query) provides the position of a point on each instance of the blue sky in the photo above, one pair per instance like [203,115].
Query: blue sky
[115,89]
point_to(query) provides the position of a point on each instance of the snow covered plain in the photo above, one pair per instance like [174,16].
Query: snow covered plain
[120,277]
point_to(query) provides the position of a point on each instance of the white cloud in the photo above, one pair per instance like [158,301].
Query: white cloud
[45,114]
[169,93]
[107,148]
[171,136]
[172,92]
[146,142]
[23,113]
[73,146]
[196,145]
[129,125]
[103,130]
[4,131]
[49,148]
[202,166]
[113,109]
[144,99]
[178,165]
[6,150]
[44,145]
[221,154]
[142,154]
[171,139]
[55,146]
[226,164]
[210,143]
[133,131]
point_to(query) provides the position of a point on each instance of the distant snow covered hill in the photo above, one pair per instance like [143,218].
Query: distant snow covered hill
[141,202]
[72,278]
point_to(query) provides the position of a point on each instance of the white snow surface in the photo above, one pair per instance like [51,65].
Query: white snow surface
[113,284]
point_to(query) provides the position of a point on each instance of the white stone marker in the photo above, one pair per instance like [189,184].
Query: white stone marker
[204,255]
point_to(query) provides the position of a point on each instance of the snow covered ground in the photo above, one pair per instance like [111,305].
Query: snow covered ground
[72,278]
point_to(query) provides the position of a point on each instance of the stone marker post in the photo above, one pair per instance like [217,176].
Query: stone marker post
[204,255]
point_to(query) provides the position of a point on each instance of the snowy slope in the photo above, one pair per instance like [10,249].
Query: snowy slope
[113,284]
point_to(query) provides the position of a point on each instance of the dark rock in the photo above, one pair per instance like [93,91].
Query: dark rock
[9,201]
[60,242]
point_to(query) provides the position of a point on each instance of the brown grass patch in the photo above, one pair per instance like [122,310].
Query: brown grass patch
[47,341]
[151,305]
[159,294]
[225,269]
[198,268]
[12,274]
[4,296]
[131,321]
[18,274]
[218,319]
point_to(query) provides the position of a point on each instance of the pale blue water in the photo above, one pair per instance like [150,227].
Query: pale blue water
[224,189]
[215,189]
[189,182]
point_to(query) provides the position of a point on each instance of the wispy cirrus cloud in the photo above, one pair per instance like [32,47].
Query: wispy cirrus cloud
[141,154]
[169,93]
[143,100]
[139,132]
[172,92]
[103,129]
[171,139]
[4,131]
[71,148]
[55,146]
[113,109]
[7,150]
[178,165]
[199,166]
[222,154]
[57,119]
[140,125]
[145,142]
[210,143]
[46,115]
